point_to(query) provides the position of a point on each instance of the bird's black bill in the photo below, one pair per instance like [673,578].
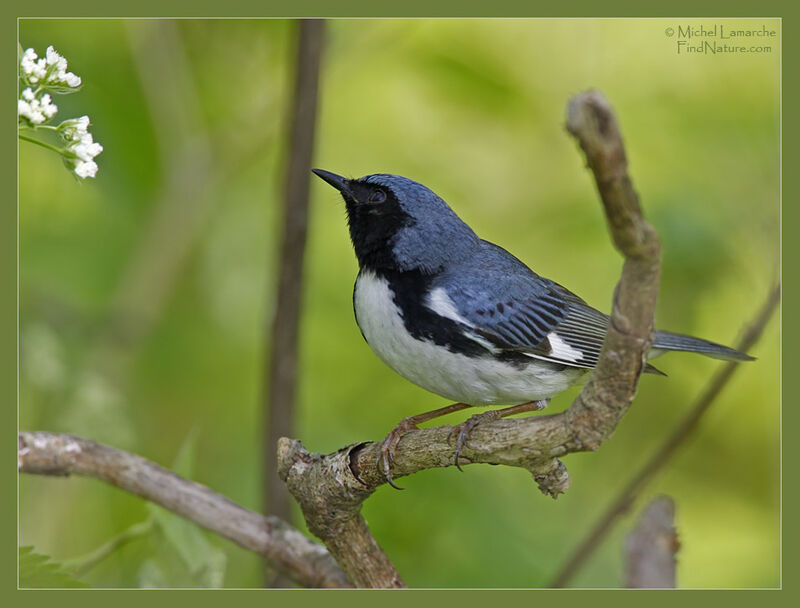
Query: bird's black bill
[337,181]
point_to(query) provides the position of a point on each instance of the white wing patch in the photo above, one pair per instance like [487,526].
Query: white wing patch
[482,341]
[440,303]
[562,350]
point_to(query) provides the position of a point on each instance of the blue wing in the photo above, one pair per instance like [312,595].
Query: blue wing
[505,306]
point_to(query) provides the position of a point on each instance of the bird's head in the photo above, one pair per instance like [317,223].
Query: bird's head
[399,224]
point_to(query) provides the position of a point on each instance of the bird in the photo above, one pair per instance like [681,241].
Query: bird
[462,317]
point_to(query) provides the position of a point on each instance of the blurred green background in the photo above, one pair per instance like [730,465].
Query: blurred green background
[144,293]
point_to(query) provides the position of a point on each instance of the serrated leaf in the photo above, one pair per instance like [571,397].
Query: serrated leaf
[37,571]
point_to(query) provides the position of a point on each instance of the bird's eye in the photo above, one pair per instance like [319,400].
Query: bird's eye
[377,196]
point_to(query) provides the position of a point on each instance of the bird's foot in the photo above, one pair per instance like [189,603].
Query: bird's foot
[386,455]
[463,430]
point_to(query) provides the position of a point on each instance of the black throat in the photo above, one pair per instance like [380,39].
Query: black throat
[372,230]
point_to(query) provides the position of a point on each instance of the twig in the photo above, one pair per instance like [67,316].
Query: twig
[285,548]
[678,437]
[331,488]
[280,373]
[650,549]
[82,564]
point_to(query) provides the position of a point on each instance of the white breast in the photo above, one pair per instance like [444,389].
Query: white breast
[471,380]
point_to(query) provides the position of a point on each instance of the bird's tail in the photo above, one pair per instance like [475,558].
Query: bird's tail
[666,340]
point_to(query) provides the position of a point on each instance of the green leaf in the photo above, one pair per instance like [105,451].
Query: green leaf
[40,572]
[151,575]
[183,464]
[204,561]
[62,90]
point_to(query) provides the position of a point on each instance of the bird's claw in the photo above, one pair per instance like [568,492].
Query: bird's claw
[465,428]
[386,455]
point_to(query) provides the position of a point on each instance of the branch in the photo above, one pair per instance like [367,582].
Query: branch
[280,371]
[651,547]
[281,545]
[331,488]
[678,437]
[610,391]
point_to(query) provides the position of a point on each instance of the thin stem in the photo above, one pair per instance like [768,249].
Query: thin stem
[81,565]
[41,143]
[280,372]
[38,127]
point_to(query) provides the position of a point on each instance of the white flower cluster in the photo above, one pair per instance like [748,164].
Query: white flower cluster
[35,107]
[81,148]
[36,110]
[50,70]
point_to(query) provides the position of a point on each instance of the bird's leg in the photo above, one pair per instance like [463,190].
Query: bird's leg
[465,428]
[386,456]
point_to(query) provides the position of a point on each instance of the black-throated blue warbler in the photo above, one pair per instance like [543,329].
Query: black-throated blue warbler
[462,317]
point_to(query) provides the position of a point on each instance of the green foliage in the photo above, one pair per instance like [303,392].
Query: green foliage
[199,562]
[37,571]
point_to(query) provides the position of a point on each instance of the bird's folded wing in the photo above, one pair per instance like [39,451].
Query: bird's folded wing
[542,320]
